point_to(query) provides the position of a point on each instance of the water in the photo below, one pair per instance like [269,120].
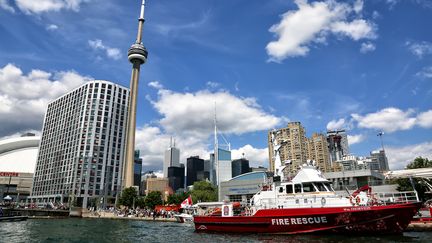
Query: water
[106,230]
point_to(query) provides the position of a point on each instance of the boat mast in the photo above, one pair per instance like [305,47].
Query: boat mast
[216,153]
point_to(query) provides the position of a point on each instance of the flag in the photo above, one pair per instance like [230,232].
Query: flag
[186,203]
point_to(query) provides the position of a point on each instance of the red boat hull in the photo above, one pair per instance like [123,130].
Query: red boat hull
[369,219]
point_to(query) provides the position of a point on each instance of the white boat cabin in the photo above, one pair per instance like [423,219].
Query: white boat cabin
[307,189]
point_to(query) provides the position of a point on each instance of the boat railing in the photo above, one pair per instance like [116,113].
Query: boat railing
[387,198]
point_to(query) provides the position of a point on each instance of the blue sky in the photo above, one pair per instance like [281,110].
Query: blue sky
[365,66]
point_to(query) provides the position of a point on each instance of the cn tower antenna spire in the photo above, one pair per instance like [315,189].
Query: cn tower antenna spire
[140,23]
[137,55]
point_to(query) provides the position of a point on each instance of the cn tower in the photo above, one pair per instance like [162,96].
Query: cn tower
[137,55]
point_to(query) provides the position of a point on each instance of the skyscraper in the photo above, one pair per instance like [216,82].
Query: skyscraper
[293,146]
[176,177]
[82,145]
[172,159]
[137,170]
[240,166]
[337,145]
[318,151]
[195,170]
[379,159]
[137,55]
[223,167]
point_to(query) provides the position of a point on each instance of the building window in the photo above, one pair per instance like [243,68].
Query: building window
[235,198]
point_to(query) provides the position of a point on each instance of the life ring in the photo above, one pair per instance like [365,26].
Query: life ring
[323,201]
[358,200]
[352,200]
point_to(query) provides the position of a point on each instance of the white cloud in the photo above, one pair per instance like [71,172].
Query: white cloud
[152,142]
[313,23]
[393,119]
[112,53]
[353,139]
[189,118]
[425,119]
[158,174]
[399,157]
[177,29]
[337,124]
[193,113]
[52,27]
[392,3]
[388,119]
[212,85]
[419,49]
[358,6]
[367,47]
[256,156]
[357,29]
[426,72]
[6,6]
[155,84]
[40,6]
[23,98]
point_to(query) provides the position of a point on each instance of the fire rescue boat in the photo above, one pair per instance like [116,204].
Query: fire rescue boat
[308,203]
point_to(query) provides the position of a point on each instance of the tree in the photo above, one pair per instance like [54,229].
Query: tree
[140,202]
[204,191]
[420,162]
[128,196]
[177,198]
[152,199]
[405,184]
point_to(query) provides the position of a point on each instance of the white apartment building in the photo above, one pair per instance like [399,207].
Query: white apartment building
[80,159]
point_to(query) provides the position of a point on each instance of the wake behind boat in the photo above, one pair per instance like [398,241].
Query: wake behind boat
[308,203]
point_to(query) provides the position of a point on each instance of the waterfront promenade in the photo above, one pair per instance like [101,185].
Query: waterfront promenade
[113,215]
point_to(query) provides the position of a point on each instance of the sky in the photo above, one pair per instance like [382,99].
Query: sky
[360,65]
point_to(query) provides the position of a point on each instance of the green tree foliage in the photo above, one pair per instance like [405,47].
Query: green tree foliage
[420,162]
[128,196]
[420,187]
[140,202]
[152,199]
[204,191]
[177,198]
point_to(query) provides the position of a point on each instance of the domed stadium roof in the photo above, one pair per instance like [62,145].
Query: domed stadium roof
[19,154]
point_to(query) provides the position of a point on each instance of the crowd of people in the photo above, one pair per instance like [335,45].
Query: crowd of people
[138,212]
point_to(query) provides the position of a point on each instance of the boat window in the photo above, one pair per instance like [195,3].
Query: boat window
[308,187]
[320,186]
[329,187]
[297,188]
[289,188]
[281,189]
